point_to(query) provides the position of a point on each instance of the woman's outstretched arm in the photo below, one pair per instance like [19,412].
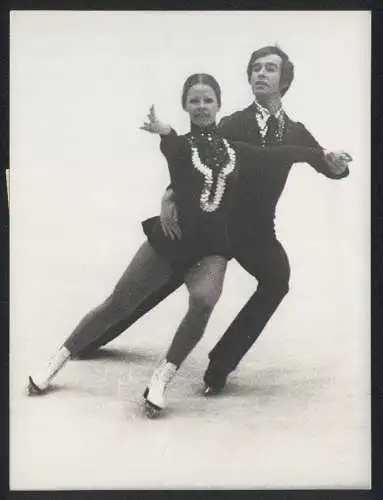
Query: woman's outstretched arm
[168,146]
[169,139]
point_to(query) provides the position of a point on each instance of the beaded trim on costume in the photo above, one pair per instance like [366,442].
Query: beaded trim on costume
[262,125]
[206,193]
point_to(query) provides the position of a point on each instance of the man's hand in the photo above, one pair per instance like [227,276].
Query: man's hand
[169,216]
[154,125]
[337,161]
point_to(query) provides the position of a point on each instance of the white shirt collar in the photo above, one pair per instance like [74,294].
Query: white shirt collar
[265,112]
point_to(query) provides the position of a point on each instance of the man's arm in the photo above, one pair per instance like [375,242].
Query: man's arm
[230,128]
[334,163]
[265,158]
[169,215]
[306,138]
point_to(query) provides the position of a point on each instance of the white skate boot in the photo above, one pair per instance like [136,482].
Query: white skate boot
[155,392]
[38,384]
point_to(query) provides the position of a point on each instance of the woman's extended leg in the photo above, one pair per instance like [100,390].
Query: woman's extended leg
[144,307]
[147,272]
[204,282]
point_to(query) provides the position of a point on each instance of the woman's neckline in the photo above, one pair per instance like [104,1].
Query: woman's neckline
[208,129]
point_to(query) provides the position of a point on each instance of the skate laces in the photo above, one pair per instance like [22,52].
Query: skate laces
[165,372]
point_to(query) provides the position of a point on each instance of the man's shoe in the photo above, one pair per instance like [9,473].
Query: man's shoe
[211,391]
[215,379]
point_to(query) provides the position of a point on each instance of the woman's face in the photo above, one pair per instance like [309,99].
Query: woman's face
[201,104]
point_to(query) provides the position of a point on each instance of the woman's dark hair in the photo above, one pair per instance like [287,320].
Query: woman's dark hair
[205,79]
[287,67]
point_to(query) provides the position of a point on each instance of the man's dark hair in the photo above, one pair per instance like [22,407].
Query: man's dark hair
[287,67]
[206,80]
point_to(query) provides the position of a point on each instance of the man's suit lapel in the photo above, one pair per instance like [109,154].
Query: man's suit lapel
[252,132]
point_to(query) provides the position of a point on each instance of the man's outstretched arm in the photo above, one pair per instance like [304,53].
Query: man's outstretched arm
[334,163]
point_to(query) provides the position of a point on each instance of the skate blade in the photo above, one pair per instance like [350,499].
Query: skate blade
[151,411]
[33,389]
[208,392]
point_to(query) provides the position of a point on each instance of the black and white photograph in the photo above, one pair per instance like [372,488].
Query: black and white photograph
[189,200]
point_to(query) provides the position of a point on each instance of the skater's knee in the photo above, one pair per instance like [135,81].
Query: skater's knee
[282,288]
[204,299]
[277,288]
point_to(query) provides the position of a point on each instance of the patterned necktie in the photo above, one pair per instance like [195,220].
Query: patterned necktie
[271,137]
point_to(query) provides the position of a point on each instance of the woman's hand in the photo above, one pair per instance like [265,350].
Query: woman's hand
[337,161]
[154,125]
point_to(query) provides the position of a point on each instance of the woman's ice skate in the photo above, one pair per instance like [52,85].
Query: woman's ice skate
[154,394]
[39,384]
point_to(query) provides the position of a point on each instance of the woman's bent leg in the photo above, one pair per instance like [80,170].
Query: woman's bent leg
[204,282]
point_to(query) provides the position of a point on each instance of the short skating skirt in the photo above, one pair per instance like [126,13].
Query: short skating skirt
[187,251]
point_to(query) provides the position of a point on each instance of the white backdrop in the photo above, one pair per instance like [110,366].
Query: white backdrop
[83,175]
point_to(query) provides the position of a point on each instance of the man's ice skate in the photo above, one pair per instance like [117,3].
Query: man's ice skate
[39,384]
[154,394]
[215,380]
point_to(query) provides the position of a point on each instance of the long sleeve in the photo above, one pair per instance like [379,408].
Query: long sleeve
[306,139]
[169,144]
[228,128]
[169,147]
[262,157]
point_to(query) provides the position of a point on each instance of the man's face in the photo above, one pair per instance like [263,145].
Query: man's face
[265,76]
